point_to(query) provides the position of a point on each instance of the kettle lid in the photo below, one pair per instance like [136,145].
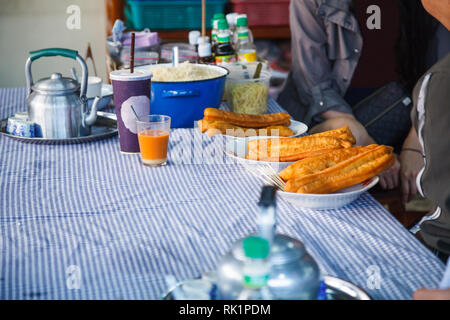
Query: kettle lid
[285,249]
[56,84]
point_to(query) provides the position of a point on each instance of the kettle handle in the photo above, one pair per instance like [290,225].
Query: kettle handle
[51,52]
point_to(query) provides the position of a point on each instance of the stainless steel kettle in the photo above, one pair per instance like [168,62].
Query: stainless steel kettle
[56,104]
[293,274]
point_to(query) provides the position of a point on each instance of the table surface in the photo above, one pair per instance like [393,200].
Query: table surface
[87,222]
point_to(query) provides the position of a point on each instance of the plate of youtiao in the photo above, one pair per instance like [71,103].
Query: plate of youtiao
[241,126]
[238,129]
[320,171]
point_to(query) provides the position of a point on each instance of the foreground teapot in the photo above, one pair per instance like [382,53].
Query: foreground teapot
[56,104]
[293,272]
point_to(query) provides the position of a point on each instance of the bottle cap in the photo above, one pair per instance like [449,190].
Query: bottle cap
[267,196]
[222,24]
[204,49]
[218,16]
[193,37]
[231,19]
[242,21]
[204,39]
[256,248]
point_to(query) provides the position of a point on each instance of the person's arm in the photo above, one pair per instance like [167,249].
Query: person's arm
[411,160]
[311,67]
[432,294]
[435,180]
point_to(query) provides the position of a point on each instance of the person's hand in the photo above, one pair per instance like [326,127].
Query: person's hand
[411,164]
[389,179]
[431,294]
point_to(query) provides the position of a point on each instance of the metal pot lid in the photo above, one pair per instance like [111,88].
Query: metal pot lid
[286,249]
[56,84]
[283,250]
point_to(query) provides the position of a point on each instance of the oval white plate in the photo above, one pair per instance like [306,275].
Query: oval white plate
[297,127]
[329,201]
[238,150]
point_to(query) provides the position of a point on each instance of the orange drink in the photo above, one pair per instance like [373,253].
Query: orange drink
[153,137]
[153,145]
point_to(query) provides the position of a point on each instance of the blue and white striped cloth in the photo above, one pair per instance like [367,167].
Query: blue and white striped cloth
[86,222]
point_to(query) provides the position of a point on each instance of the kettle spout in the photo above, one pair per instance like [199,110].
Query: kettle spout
[89,119]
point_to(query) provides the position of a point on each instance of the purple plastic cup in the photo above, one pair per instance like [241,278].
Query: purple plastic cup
[130,89]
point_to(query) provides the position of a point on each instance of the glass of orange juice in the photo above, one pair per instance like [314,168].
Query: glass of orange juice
[153,135]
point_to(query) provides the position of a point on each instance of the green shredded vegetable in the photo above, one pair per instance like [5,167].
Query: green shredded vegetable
[249,98]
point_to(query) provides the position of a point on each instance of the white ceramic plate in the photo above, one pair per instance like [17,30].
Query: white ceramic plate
[297,127]
[238,149]
[237,145]
[329,201]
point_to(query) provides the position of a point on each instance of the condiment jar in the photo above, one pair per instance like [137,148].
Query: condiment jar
[293,272]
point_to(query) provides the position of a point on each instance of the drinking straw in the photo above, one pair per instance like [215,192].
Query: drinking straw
[203,17]
[134,111]
[133,36]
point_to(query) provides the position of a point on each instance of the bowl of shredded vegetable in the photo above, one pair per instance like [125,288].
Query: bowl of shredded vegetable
[248,96]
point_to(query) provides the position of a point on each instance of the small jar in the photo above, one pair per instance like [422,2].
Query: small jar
[249,96]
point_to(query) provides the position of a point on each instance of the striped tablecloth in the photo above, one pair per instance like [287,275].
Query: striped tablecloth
[86,222]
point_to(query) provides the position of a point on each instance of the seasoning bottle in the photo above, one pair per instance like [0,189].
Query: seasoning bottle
[231,19]
[267,217]
[257,267]
[256,270]
[224,52]
[214,29]
[242,27]
[245,48]
[204,51]
[193,39]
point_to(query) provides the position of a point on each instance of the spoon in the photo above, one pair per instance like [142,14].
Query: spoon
[246,74]
[258,71]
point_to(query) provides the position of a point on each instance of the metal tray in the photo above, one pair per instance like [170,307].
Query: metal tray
[337,289]
[104,127]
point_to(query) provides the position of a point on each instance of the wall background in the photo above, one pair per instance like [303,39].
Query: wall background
[27,25]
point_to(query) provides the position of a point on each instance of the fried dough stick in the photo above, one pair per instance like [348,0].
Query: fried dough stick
[345,174]
[293,149]
[217,127]
[236,131]
[343,133]
[248,120]
[318,163]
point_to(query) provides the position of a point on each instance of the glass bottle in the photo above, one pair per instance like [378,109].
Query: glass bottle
[231,19]
[224,52]
[193,39]
[256,269]
[245,48]
[242,26]
[214,29]
[204,51]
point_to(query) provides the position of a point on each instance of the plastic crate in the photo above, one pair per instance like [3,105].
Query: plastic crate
[166,15]
[263,12]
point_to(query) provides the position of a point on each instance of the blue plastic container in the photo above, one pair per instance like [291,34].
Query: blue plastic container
[170,14]
[186,101]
